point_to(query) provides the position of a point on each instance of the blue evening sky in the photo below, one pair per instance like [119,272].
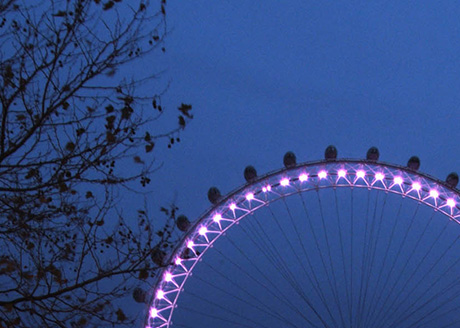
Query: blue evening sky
[267,77]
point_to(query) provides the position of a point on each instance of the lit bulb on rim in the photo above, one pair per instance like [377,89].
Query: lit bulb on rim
[232,206]
[168,277]
[178,261]
[202,231]
[303,177]
[284,182]
[217,218]
[450,202]
[398,180]
[379,176]
[434,193]
[153,313]
[360,174]
[322,174]
[190,244]
[160,294]
[342,173]
[416,186]
[250,196]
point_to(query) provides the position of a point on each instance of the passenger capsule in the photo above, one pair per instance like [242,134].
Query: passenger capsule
[139,295]
[289,159]
[250,173]
[182,223]
[330,153]
[186,254]
[214,195]
[373,154]
[413,163]
[158,256]
[452,180]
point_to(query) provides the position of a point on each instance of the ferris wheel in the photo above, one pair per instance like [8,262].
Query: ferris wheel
[331,243]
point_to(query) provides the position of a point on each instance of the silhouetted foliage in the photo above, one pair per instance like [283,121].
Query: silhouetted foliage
[72,117]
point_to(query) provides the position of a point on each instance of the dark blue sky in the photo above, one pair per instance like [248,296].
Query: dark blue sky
[267,77]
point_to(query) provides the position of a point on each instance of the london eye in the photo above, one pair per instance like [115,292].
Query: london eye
[330,243]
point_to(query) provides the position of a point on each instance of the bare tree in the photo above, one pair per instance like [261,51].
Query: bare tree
[72,116]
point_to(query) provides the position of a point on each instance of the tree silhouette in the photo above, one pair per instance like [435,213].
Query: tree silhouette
[72,117]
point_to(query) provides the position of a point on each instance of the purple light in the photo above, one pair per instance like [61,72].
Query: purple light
[303,177]
[250,196]
[178,261]
[360,174]
[450,202]
[153,313]
[202,231]
[267,188]
[434,193]
[160,294]
[322,174]
[379,176]
[190,244]
[284,182]
[217,218]
[168,277]
[342,173]
[232,206]
[398,180]
[416,186]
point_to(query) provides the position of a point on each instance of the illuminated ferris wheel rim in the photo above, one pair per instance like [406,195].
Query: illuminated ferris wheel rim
[263,190]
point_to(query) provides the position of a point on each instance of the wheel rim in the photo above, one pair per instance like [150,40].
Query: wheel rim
[282,184]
